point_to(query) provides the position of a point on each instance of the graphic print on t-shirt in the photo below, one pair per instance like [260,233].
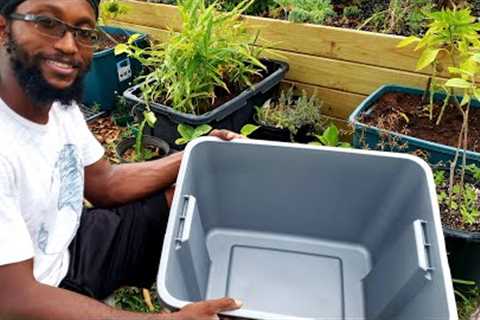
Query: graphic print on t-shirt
[59,228]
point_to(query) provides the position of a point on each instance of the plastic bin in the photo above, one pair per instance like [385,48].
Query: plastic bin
[302,232]
[369,136]
[231,115]
[109,74]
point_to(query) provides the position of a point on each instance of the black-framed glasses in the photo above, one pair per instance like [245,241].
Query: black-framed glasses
[55,28]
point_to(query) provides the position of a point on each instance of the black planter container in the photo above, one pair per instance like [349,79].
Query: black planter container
[463,250]
[232,115]
[463,247]
[282,135]
[128,143]
[271,134]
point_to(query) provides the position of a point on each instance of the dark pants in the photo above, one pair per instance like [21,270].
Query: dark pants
[117,247]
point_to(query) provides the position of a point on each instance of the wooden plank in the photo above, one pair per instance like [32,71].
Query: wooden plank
[340,75]
[322,41]
[345,76]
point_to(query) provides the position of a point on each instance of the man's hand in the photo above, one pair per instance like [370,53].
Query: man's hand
[225,134]
[207,310]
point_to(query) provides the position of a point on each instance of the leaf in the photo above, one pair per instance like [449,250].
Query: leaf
[248,129]
[407,41]
[427,58]
[476,93]
[331,135]
[466,100]
[201,130]
[134,37]
[185,131]
[120,48]
[345,145]
[150,117]
[181,141]
[458,83]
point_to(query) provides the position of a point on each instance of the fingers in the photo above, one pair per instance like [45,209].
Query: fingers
[224,304]
[225,134]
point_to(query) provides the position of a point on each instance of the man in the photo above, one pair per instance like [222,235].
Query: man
[49,251]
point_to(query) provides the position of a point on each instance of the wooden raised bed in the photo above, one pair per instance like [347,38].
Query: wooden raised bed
[343,65]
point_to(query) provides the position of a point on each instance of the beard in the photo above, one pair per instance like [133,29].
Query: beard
[30,78]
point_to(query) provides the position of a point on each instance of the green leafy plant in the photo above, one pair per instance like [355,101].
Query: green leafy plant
[111,9]
[311,11]
[451,33]
[330,138]
[213,55]
[248,129]
[141,153]
[352,12]
[189,133]
[474,171]
[400,17]
[292,113]
[462,198]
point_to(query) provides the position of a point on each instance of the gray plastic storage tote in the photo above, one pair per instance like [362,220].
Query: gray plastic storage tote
[302,232]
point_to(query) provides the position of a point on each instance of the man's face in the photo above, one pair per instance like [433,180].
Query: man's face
[49,68]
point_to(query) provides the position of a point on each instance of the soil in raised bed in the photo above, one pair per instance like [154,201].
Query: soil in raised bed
[408,114]
[107,42]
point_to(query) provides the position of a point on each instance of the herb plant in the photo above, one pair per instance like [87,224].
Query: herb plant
[212,55]
[311,11]
[291,113]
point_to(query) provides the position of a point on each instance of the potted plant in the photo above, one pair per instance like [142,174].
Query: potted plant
[110,74]
[460,210]
[434,120]
[137,146]
[289,118]
[207,73]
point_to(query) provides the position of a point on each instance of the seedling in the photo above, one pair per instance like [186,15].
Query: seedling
[330,138]
[189,133]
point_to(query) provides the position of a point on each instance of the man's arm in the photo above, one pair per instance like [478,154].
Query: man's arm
[21,297]
[108,186]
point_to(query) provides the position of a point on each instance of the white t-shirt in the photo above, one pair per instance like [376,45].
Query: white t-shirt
[42,186]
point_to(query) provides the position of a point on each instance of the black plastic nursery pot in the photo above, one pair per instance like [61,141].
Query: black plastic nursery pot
[269,133]
[151,141]
[110,74]
[231,115]
[463,249]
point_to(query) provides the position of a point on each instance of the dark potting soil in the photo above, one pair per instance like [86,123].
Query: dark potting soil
[107,42]
[406,114]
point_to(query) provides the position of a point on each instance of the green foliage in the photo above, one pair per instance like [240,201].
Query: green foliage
[352,12]
[330,138]
[111,9]
[439,177]
[474,171]
[189,133]
[141,153]
[310,11]
[400,17]
[258,7]
[212,55]
[248,129]
[291,113]
[463,199]
[131,299]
